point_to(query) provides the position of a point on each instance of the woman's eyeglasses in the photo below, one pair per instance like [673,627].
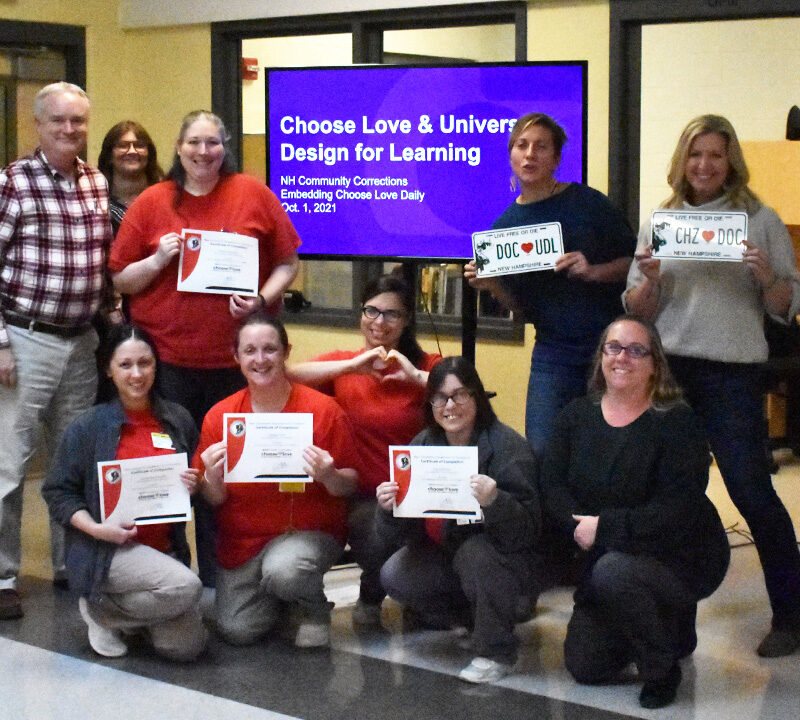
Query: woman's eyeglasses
[459,397]
[390,316]
[634,350]
[138,145]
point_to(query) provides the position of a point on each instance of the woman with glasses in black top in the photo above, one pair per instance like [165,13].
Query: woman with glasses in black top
[381,388]
[624,477]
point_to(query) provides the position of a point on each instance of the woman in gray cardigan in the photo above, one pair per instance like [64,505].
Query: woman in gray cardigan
[468,574]
[129,577]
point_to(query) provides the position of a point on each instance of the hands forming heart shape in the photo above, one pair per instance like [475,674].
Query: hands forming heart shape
[389,365]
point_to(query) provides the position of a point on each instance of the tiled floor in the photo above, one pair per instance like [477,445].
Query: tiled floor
[48,671]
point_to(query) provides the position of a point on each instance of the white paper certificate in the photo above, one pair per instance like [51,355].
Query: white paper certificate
[517,250]
[267,447]
[434,481]
[698,235]
[218,262]
[144,490]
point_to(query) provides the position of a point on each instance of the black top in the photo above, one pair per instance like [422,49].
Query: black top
[569,314]
[646,482]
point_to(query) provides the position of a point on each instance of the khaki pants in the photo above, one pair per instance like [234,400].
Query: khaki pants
[146,589]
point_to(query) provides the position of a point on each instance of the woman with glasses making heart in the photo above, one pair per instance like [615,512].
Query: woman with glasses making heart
[624,477]
[452,574]
[381,388]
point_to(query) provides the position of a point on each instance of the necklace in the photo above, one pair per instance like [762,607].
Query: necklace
[544,196]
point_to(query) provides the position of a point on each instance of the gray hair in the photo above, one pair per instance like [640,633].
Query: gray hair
[56,88]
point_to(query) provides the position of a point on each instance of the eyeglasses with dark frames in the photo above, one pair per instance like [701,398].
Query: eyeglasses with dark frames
[390,316]
[459,397]
[138,145]
[634,350]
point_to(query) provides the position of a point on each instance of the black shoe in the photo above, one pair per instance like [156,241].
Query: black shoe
[783,638]
[10,604]
[660,693]
[60,583]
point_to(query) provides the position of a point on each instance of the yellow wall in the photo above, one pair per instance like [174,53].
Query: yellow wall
[746,70]
[155,76]
[158,75]
[578,30]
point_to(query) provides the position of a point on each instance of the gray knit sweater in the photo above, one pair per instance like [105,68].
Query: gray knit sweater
[714,310]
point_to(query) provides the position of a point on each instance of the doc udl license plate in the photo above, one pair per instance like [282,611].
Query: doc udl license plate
[517,250]
[698,235]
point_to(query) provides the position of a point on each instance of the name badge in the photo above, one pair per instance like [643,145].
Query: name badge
[162,441]
[517,250]
[698,235]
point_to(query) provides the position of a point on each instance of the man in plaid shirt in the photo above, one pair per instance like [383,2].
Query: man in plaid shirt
[54,240]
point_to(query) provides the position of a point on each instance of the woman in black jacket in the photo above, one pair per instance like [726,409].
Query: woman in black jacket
[472,573]
[625,475]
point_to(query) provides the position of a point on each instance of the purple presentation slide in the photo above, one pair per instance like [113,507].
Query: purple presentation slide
[408,162]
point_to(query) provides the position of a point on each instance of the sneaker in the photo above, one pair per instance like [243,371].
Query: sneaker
[660,693]
[366,616]
[484,670]
[313,634]
[105,642]
[10,604]
[779,642]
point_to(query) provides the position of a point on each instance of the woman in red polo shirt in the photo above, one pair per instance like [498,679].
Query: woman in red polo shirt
[275,544]
[381,388]
[129,577]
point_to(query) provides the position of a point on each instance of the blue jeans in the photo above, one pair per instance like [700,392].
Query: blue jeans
[551,387]
[728,398]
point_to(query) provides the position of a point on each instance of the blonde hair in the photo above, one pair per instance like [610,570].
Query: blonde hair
[735,186]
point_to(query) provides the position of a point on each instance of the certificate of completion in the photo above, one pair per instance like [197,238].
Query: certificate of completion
[434,481]
[698,235]
[144,490]
[218,262]
[267,447]
[517,250]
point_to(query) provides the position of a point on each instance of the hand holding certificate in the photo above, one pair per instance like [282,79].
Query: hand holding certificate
[267,447]
[144,490]
[218,262]
[435,481]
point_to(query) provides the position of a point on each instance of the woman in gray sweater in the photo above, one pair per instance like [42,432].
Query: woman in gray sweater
[711,317]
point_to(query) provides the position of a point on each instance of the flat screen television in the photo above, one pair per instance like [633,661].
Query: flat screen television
[401,162]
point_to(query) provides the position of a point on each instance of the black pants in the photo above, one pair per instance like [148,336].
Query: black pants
[478,577]
[630,608]
[198,390]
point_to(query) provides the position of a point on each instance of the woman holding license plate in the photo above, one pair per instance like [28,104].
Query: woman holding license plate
[193,330]
[275,541]
[452,574]
[130,578]
[711,317]
[570,305]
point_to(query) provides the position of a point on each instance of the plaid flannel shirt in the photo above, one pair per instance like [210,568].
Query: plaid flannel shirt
[55,236]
